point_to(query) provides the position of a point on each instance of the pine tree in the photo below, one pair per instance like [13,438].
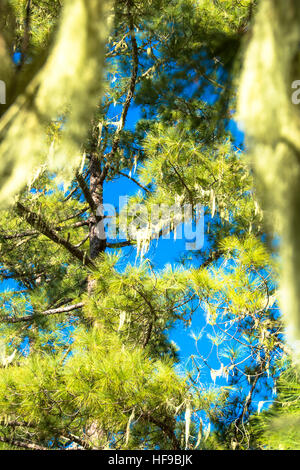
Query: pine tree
[86,356]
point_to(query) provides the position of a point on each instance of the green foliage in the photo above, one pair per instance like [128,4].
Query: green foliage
[279,426]
[100,383]
[86,357]
[138,303]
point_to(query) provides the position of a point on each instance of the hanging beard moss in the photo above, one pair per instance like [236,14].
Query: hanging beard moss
[67,83]
[272,125]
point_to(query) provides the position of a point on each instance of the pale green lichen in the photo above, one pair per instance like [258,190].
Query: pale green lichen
[69,78]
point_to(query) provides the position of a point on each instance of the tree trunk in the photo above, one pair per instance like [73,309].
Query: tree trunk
[96,228]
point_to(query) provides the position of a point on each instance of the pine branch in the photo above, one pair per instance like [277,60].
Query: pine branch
[167,430]
[86,192]
[15,236]
[73,216]
[43,227]
[29,233]
[134,181]
[120,244]
[71,193]
[21,444]
[148,335]
[14,423]
[54,311]
[214,256]
[182,181]
[81,442]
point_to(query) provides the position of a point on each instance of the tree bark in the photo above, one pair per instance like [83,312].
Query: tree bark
[96,226]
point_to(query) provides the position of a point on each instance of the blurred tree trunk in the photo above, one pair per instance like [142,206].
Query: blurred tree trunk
[272,125]
[62,83]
